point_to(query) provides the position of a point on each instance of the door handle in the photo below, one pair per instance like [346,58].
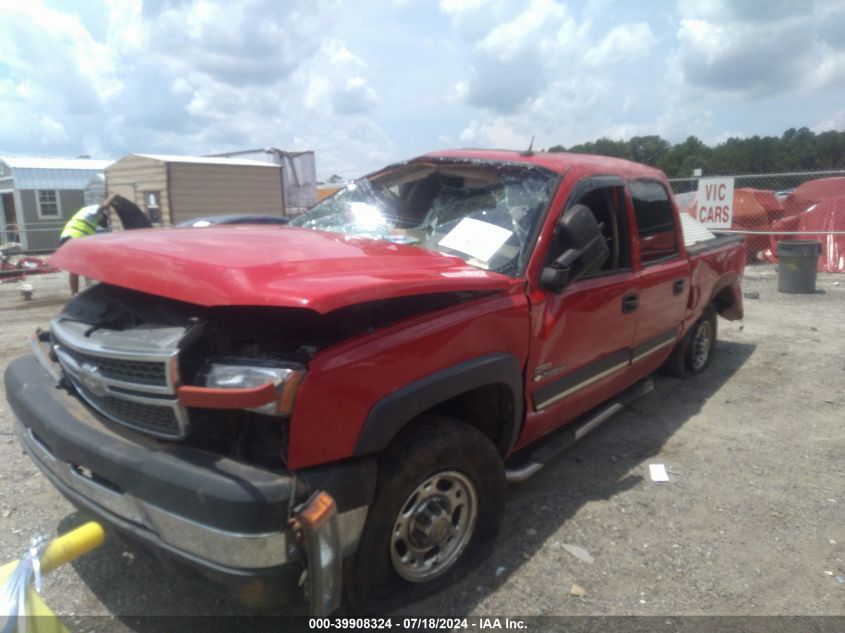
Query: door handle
[678,286]
[630,303]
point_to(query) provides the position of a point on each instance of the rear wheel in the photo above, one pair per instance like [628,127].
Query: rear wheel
[438,504]
[695,351]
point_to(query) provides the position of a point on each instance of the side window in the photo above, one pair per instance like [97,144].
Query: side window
[655,221]
[48,204]
[608,207]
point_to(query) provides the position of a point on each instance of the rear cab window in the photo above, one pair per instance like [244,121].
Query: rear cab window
[655,219]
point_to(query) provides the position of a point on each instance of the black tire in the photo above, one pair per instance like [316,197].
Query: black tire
[435,447]
[695,351]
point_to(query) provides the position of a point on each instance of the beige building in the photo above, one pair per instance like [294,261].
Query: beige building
[172,189]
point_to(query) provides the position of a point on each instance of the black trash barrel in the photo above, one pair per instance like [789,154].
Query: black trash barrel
[797,268]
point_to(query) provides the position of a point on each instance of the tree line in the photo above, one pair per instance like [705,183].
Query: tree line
[795,150]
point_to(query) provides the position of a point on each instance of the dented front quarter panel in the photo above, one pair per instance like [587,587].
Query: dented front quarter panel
[344,382]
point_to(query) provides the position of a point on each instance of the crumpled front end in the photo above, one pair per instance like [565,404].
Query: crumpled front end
[104,423]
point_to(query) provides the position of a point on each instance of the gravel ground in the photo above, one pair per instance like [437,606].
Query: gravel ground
[750,523]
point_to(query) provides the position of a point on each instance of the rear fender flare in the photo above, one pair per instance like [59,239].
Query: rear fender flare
[734,310]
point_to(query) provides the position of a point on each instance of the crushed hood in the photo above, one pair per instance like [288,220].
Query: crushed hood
[268,266]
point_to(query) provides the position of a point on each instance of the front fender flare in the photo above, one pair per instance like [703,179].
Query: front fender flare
[390,414]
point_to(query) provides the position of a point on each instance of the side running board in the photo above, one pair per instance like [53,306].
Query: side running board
[571,433]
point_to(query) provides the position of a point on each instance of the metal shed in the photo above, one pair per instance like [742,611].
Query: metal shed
[299,174]
[173,189]
[39,195]
[95,190]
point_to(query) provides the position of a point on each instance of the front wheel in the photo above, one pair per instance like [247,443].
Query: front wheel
[438,504]
[434,526]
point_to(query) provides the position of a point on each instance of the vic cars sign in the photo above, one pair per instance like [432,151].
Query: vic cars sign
[714,206]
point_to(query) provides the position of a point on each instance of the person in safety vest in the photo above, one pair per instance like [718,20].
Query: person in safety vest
[84,222]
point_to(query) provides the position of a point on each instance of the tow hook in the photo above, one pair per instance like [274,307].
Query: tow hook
[317,522]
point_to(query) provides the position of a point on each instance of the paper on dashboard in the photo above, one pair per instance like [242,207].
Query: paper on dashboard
[475,238]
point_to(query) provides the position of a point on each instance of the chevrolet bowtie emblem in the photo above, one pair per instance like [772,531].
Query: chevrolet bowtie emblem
[92,380]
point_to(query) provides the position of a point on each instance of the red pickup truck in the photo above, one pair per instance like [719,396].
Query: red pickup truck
[337,404]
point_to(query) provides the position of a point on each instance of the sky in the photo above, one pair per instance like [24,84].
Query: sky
[366,83]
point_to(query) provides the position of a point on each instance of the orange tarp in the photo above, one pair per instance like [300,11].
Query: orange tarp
[812,192]
[828,215]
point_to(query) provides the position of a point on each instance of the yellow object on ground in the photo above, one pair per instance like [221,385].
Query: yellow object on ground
[72,545]
[39,617]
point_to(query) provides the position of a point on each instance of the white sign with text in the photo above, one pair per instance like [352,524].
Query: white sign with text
[714,206]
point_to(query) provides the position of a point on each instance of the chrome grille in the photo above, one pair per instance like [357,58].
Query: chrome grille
[133,388]
[142,372]
[158,420]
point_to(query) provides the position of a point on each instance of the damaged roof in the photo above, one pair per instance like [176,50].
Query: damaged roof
[558,162]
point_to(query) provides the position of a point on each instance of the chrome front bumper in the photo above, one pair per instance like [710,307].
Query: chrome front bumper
[231,549]
[318,545]
[239,526]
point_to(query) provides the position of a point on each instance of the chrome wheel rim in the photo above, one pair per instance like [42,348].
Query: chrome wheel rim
[434,526]
[701,345]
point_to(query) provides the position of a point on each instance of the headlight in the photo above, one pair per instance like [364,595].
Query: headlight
[268,388]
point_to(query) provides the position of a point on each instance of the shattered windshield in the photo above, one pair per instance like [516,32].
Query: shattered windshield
[485,213]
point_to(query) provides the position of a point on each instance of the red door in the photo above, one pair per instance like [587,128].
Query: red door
[581,350]
[582,336]
[662,277]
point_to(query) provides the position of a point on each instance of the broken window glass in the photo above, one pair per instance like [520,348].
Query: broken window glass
[486,213]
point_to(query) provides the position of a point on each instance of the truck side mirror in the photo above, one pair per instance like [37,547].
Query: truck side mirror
[585,251]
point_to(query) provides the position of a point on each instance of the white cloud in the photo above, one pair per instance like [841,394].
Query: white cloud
[754,11]
[54,48]
[498,132]
[828,71]
[757,49]
[189,77]
[353,96]
[375,83]
[349,151]
[835,121]
[457,7]
[514,51]
[532,72]
[51,131]
[624,43]
[526,31]
[125,24]
[240,43]
[334,82]
[724,136]
[336,52]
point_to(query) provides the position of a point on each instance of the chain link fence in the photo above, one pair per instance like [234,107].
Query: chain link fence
[772,207]
[36,239]
[23,251]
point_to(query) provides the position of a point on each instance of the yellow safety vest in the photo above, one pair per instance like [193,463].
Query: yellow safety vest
[83,222]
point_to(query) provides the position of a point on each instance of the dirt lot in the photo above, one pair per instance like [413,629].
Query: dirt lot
[752,521]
